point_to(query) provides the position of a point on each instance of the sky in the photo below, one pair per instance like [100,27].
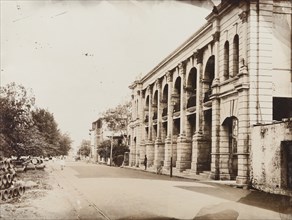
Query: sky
[79,57]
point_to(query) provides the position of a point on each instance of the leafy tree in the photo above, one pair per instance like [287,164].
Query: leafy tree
[26,130]
[35,143]
[118,151]
[117,118]
[103,149]
[84,149]
[46,124]
[15,119]
[56,143]
[64,144]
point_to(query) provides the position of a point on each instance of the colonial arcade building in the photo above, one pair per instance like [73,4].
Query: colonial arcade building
[195,109]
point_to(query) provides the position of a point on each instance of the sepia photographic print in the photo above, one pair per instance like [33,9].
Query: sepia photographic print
[146,109]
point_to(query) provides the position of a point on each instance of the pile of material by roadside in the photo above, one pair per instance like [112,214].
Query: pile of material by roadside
[27,163]
[10,186]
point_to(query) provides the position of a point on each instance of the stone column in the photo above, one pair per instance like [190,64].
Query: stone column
[150,120]
[142,127]
[133,146]
[243,107]
[168,147]
[141,116]
[159,147]
[183,146]
[150,145]
[198,140]
[216,37]
[215,112]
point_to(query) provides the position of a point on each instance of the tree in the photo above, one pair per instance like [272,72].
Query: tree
[118,153]
[64,144]
[84,149]
[117,118]
[103,149]
[46,124]
[15,119]
[25,129]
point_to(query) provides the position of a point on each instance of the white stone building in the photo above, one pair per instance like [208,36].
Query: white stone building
[96,137]
[198,105]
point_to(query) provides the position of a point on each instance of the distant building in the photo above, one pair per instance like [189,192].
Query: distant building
[99,132]
[199,105]
[96,137]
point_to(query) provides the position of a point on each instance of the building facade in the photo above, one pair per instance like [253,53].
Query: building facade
[271,157]
[196,108]
[96,137]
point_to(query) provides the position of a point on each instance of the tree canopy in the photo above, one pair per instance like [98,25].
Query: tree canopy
[117,118]
[26,129]
[84,148]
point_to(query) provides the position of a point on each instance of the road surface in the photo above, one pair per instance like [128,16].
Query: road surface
[103,192]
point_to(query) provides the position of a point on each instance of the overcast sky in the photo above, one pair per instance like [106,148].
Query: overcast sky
[79,57]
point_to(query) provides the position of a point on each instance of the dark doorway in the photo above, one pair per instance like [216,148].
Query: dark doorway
[232,125]
[286,164]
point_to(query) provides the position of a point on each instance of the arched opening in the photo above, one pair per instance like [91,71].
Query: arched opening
[192,88]
[155,115]
[164,101]
[235,55]
[226,61]
[146,119]
[164,105]
[231,128]
[191,91]
[146,110]
[154,105]
[177,94]
[208,78]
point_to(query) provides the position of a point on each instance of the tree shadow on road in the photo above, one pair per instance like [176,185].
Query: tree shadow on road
[273,202]
[277,203]
[228,214]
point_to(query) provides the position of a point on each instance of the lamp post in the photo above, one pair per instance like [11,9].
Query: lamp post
[111,153]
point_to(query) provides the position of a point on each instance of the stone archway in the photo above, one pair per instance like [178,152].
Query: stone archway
[208,78]
[230,125]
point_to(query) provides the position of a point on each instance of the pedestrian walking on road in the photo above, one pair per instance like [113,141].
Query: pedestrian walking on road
[62,162]
[145,162]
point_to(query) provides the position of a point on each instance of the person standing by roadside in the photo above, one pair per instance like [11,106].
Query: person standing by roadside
[145,162]
[62,162]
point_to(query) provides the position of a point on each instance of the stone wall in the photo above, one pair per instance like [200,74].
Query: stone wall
[267,152]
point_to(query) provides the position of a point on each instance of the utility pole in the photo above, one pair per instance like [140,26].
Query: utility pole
[111,153]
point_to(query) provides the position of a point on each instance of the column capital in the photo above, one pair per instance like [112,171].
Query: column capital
[199,55]
[169,76]
[243,16]
[216,36]
[150,89]
[159,83]
[181,68]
